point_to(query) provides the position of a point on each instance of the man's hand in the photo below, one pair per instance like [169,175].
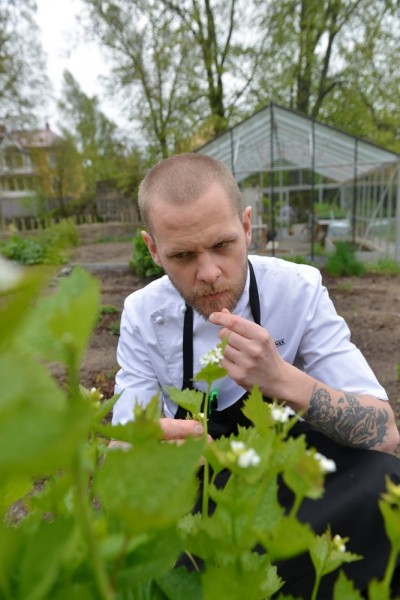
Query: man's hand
[250,356]
[180,429]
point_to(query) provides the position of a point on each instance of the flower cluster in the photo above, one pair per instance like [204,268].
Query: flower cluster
[339,544]
[212,357]
[327,465]
[243,456]
[281,413]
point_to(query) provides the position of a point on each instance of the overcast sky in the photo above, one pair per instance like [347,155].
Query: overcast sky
[57,21]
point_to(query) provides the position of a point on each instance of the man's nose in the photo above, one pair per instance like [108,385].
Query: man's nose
[208,270]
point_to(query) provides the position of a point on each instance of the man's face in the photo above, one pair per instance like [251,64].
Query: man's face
[203,249]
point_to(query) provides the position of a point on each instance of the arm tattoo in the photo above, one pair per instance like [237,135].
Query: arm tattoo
[350,423]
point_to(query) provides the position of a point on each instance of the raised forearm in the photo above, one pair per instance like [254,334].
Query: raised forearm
[355,420]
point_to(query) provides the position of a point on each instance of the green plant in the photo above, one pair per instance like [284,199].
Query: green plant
[296,258]
[384,266]
[142,262]
[46,248]
[110,523]
[108,309]
[344,261]
[115,327]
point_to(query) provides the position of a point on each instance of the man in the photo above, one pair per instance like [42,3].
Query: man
[283,334]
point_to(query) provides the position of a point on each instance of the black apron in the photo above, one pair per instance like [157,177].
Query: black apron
[350,501]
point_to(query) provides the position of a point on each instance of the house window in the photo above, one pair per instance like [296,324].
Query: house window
[14,158]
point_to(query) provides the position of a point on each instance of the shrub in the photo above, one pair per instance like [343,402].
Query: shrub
[344,261]
[44,249]
[142,262]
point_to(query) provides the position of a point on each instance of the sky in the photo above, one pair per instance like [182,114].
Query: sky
[57,21]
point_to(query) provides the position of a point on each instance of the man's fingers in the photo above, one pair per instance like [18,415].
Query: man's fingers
[232,323]
[175,429]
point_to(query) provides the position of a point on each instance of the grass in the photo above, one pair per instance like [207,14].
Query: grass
[384,266]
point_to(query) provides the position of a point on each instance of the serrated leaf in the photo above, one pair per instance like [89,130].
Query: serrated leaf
[256,579]
[344,590]
[158,485]
[210,373]
[288,538]
[258,411]
[190,400]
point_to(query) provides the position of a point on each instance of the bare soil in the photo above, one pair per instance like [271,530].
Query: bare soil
[370,304]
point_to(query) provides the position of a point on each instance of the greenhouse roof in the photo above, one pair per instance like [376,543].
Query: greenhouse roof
[276,138]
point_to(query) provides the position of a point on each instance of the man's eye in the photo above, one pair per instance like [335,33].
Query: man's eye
[181,255]
[221,244]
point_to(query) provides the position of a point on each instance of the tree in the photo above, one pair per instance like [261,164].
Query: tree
[228,54]
[322,52]
[104,155]
[23,82]
[150,55]
[94,134]
[190,68]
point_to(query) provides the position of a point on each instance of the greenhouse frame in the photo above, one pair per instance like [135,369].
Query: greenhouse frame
[282,158]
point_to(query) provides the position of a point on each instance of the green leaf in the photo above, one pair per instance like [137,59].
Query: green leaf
[377,590]
[179,584]
[344,590]
[287,538]
[258,411]
[325,555]
[210,373]
[39,431]
[190,400]
[152,558]
[14,305]
[252,576]
[391,517]
[305,477]
[158,485]
[39,550]
[63,321]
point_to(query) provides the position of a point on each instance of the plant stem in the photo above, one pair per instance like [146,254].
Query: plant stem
[83,509]
[206,471]
[390,567]
[316,587]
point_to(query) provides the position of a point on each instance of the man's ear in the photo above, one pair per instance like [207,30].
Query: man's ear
[151,245]
[246,221]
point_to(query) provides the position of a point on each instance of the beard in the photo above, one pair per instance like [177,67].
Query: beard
[206,299]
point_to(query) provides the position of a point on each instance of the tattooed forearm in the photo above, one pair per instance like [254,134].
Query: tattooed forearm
[349,423]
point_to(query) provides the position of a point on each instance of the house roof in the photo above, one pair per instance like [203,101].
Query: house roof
[276,138]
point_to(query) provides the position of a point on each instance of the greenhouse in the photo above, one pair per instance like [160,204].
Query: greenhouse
[311,184]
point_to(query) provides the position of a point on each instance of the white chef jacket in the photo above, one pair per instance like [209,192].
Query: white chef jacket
[295,309]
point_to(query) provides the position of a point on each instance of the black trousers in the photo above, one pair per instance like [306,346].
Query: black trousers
[350,506]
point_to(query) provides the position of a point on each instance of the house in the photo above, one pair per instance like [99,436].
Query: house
[27,171]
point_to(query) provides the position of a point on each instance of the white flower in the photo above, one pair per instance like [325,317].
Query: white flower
[212,357]
[339,544]
[244,457]
[237,446]
[249,458]
[281,413]
[326,465]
